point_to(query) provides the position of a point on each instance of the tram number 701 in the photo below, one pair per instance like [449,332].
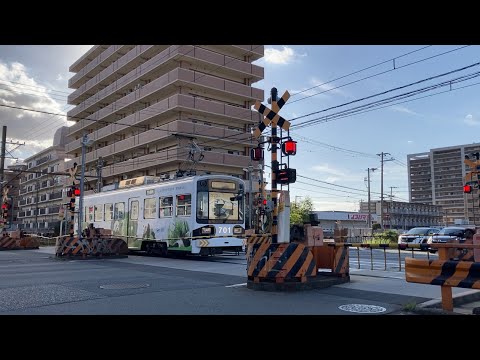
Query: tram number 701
[224,230]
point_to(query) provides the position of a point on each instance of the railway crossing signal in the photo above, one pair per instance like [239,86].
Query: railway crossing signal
[271,116]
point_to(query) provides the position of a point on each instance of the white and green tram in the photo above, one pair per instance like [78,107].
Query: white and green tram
[197,215]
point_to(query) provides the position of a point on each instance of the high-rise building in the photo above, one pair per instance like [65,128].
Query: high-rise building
[164,110]
[437,177]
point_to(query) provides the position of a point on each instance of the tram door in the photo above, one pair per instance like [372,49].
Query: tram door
[133,213]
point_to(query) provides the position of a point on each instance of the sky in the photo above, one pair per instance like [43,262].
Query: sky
[333,151]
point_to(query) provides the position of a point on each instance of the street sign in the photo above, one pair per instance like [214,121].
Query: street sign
[271,116]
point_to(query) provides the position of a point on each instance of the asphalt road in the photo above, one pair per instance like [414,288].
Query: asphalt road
[34,282]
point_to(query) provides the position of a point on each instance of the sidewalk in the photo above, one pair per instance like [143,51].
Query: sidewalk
[393,282]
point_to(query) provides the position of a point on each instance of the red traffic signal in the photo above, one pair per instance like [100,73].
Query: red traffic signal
[289,147]
[76,192]
[4,206]
[264,201]
[467,189]
[256,154]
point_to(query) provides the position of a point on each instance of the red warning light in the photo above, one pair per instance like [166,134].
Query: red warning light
[467,189]
[77,192]
[289,147]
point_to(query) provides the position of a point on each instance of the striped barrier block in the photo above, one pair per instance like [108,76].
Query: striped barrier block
[280,262]
[464,274]
[259,239]
[8,243]
[96,247]
[29,243]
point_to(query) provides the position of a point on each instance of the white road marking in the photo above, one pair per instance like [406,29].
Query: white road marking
[236,285]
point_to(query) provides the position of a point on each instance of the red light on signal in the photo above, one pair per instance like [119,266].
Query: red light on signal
[265,202]
[289,147]
[467,189]
[4,206]
[256,154]
[76,192]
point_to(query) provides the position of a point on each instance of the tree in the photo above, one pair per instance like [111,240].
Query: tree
[300,211]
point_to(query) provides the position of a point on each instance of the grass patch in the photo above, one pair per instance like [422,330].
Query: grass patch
[410,306]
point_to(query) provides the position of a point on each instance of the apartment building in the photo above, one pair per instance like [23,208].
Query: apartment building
[41,192]
[164,110]
[437,177]
[405,215]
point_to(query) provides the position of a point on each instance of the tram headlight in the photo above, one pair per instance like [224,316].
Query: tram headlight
[237,230]
[206,230]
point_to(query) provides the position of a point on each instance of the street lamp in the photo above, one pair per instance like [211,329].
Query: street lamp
[86,141]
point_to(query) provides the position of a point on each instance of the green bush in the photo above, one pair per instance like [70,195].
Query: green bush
[386,237]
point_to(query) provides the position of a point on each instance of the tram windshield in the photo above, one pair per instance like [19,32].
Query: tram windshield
[221,203]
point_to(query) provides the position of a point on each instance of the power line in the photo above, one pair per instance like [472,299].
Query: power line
[388,91]
[377,103]
[358,71]
[371,76]
[336,185]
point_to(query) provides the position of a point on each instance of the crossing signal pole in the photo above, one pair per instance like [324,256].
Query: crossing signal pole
[279,176]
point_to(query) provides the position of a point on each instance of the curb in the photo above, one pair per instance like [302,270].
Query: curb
[433,307]
[318,282]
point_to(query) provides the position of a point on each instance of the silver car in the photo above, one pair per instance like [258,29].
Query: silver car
[417,235]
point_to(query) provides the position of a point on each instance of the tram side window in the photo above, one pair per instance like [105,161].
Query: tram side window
[149,208]
[99,212]
[108,212]
[202,205]
[90,214]
[166,206]
[119,212]
[134,210]
[184,205]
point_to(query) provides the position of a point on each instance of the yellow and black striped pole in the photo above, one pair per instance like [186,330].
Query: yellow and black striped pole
[274,142]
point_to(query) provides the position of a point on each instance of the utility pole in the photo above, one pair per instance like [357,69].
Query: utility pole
[391,204]
[369,210]
[275,166]
[85,142]
[37,186]
[99,174]
[249,170]
[2,157]
[382,155]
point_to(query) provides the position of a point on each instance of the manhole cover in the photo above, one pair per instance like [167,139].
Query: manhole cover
[123,286]
[362,308]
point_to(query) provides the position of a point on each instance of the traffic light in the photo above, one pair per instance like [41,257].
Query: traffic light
[289,147]
[73,192]
[6,213]
[467,189]
[286,176]
[256,154]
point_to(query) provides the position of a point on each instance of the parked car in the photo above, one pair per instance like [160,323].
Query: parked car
[417,235]
[450,234]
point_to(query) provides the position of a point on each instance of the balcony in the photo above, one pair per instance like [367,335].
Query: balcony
[87,58]
[95,66]
[162,110]
[209,61]
[126,64]
[166,84]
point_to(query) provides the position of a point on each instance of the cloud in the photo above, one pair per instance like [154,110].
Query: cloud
[285,56]
[59,77]
[320,88]
[409,141]
[36,129]
[469,120]
[403,109]
[325,168]
[334,205]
